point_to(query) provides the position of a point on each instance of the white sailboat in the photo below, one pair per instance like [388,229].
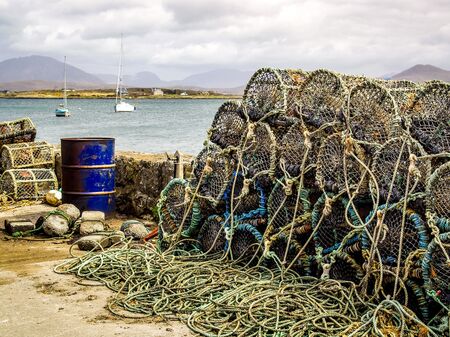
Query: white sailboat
[121,105]
[63,110]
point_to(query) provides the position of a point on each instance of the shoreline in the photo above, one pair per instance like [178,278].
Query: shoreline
[230,97]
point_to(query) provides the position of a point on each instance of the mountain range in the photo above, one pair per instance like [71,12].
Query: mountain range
[41,72]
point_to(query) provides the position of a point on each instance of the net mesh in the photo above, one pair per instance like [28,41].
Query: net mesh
[415,235]
[17,131]
[345,268]
[272,91]
[330,232]
[212,235]
[429,117]
[372,114]
[438,193]
[281,207]
[212,169]
[27,155]
[292,149]
[259,154]
[28,184]
[245,243]
[331,171]
[279,246]
[436,269]
[322,99]
[384,164]
[228,126]
[173,206]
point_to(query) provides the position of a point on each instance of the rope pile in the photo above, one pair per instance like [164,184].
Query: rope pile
[318,206]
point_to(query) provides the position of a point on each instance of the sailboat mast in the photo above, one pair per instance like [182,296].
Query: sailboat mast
[119,75]
[65,84]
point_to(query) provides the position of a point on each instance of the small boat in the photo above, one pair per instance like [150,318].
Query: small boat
[63,110]
[121,105]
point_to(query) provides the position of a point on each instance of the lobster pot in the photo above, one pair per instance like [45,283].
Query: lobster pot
[27,155]
[28,184]
[17,131]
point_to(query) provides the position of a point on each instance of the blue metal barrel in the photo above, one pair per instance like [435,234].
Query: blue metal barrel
[88,173]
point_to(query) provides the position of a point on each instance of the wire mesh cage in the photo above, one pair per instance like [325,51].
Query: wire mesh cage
[229,125]
[429,117]
[27,155]
[211,236]
[287,253]
[259,153]
[272,91]
[438,197]
[397,155]
[17,131]
[436,269]
[331,227]
[342,266]
[283,208]
[385,236]
[372,113]
[296,146]
[28,184]
[173,207]
[403,92]
[212,169]
[322,99]
[249,199]
[245,244]
[331,173]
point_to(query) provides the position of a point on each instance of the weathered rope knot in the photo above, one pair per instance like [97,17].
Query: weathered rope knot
[208,168]
[288,187]
[307,141]
[187,194]
[251,131]
[245,188]
[412,169]
[328,206]
[349,145]
[326,271]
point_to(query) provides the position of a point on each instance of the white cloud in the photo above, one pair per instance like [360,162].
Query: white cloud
[176,37]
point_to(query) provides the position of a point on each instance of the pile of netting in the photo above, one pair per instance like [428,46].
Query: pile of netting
[319,206]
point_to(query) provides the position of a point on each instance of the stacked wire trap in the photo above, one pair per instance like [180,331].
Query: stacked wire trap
[318,206]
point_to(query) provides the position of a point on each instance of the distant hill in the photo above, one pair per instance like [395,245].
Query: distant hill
[221,80]
[40,72]
[42,68]
[423,72]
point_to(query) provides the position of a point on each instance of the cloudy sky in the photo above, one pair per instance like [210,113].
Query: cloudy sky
[175,38]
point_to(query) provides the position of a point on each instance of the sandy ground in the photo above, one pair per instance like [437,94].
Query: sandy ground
[35,301]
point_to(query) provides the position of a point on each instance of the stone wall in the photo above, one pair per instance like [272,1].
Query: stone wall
[140,178]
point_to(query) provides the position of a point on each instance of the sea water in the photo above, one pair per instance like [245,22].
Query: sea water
[158,125]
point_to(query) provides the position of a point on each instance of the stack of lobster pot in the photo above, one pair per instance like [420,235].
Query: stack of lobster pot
[27,167]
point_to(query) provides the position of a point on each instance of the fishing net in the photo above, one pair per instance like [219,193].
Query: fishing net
[438,195]
[176,209]
[279,246]
[342,266]
[17,131]
[429,117]
[330,226]
[259,153]
[403,93]
[400,153]
[245,243]
[386,236]
[322,99]
[28,184]
[292,150]
[212,170]
[272,91]
[331,171]
[228,126]
[211,236]
[249,199]
[372,115]
[27,155]
[282,205]
[436,269]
